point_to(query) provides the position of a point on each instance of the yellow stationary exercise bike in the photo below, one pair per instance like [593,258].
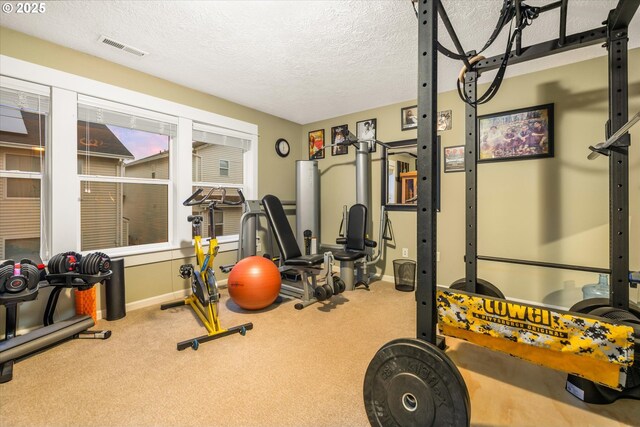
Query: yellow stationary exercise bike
[204,296]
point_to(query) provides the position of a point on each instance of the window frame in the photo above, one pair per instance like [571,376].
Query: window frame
[83,178]
[7,178]
[64,90]
[248,186]
[38,89]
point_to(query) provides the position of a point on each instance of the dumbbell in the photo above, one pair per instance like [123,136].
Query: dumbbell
[321,293]
[338,285]
[16,279]
[64,262]
[94,263]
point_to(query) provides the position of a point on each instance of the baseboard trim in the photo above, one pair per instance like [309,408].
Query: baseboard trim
[159,299]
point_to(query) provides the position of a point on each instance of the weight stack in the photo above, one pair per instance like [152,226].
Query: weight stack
[115,291]
[307,201]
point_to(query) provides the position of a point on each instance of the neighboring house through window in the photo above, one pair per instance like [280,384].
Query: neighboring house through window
[125,179]
[218,162]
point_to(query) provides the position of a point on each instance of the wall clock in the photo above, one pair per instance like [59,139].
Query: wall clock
[282,147]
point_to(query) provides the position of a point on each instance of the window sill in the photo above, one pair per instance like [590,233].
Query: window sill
[151,254]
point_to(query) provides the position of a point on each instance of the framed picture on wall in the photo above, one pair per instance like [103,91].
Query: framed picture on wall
[526,133]
[454,159]
[316,142]
[366,131]
[409,117]
[339,134]
[444,120]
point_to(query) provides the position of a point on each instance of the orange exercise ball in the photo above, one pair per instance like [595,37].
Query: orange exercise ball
[254,283]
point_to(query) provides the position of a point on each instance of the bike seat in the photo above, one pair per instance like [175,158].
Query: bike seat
[194,218]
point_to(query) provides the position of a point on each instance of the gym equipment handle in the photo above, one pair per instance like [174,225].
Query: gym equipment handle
[209,198]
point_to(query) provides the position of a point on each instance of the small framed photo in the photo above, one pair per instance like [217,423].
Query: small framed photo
[444,120]
[316,144]
[526,133]
[454,159]
[409,117]
[366,131]
[339,134]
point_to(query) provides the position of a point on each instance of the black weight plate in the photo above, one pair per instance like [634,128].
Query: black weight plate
[104,264]
[16,284]
[92,264]
[64,264]
[328,289]
[615,314]
[52,264]
[96,263]
[483,287]
[57,264]
[588,305]
[413,383]
[338,285]
[82,265]
[320,293]
[6,271]
[32,274]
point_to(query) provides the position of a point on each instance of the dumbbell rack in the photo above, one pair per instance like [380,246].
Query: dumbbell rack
[14,347]
[79,281]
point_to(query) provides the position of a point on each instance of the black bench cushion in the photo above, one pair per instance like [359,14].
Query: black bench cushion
[357,227]
[305,260]
[287,243]
[348,255]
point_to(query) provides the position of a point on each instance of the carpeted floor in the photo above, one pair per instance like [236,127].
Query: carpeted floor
[295,368]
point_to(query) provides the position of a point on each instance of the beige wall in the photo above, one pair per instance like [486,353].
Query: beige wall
[553,210]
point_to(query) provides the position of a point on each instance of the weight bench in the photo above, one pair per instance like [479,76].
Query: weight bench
[355,244]
[308,266]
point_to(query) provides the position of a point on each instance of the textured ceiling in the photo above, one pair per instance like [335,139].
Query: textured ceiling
[300,60]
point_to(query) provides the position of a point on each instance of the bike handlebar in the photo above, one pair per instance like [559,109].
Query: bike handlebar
[209,198]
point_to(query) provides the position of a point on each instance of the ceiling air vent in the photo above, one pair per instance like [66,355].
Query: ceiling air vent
[129,49]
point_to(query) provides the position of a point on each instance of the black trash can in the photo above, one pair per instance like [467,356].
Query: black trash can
[404,274]
[114,291]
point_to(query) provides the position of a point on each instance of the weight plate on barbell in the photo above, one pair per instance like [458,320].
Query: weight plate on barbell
[411,382]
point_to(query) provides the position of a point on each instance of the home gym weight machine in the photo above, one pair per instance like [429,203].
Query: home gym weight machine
[204,297]
[412,381]
[298,283]
[307,205]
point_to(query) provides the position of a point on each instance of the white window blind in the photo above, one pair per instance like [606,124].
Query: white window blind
[202,135]
[26,101]
[99,111]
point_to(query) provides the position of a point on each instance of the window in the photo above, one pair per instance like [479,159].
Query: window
[224,167]
[16,249]
[211,148]
[124,163]
[24,121]
[19,188]
[218,218]
[122,152]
